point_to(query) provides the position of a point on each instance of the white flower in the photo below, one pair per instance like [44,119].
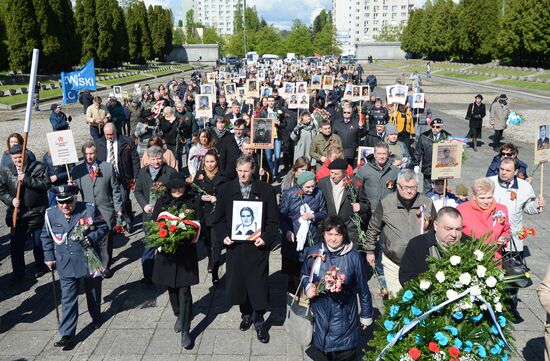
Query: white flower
[481,270]
[451,294]
[496,299]
[181,215]
[475,291]
[491,282]
[181,225]
[465,279]
[483,307]
[455,260]
[479,255]
[440,276]
[174,223]
[425,284]
[498,307]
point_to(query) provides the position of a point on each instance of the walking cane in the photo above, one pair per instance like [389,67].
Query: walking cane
[55,296]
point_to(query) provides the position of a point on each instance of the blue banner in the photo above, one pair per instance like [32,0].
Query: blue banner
[73,82]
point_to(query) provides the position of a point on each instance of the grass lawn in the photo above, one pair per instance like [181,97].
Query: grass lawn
[464,76]
[22,98]
[543,76]
[523,84]
[164,72]
[501,71]
[125,80]
[24,85]
[109,73]
[448,66]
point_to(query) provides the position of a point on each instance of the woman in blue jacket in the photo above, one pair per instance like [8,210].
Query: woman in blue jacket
[301,210]
[337,319]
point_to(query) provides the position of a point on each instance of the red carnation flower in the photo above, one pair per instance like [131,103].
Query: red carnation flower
[453,351]
[173,228]
[162,225]
[299,193]
[533,232]
[432,346]
[163,233]
[415,353]
[359,184]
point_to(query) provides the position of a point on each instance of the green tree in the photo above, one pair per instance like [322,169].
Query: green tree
[267,41]
[321,21]
[443,40]
[478,30]
[87,28]
[22,33]
[299,39]
[180,23]
[160,23]
[234,44]
[3,38]
[524,38]
[325,41]
[120,53]
[179,37]
[390,33]
[190,26]
[105,53]
[238,18]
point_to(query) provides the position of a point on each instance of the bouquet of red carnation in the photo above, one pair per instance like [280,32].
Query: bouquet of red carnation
[353,187]
[121,225]
[525,232]
[171,229]
[78,234]
[132,184]
[332,281]
[157,190]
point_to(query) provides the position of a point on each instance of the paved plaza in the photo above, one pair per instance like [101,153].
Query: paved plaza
[138,319]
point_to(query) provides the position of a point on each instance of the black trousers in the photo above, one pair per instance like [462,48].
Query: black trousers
[107,249]
[247,311]
[181,301]
[347,355]
[497,137]
[213,247]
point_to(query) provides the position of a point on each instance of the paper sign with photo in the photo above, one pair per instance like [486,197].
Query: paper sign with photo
[365,93]
[301,87]
[542,144]
[252,89]
[418,100]
[204,105]
[303,101]
[278,79]
[363,153]
[292,100]
[348,92]
[207,89]
[288,88]
[266,91]
[328,82]
[246,223]
[356,93]
[397,94]
[316,81]
[262,135]
[447,160]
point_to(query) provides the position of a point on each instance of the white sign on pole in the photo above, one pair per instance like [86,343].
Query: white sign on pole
[62,148]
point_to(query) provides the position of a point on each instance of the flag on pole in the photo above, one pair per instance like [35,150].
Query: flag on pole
[73,82]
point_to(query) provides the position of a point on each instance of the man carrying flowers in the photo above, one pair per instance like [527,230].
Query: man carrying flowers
[71,235]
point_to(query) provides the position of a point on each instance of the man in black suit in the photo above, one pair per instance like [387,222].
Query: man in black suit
[247,261]
[119,150]
[230,149]
[447,231]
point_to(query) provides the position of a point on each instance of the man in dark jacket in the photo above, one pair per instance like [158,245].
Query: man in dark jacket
[377,113]
[119,150]
[447,231]
[350,131]
[247,261]
[155,172]
[230,149]
[58,119]
[371,82]
[424,147]
[376,135]
[31,204]
[117,113]
[221,107]
[86,99]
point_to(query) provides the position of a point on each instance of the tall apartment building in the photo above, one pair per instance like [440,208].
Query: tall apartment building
[216,13]
[360,20]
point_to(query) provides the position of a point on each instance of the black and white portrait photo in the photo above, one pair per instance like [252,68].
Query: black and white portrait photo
[247,220]
[262,133]
[543,142]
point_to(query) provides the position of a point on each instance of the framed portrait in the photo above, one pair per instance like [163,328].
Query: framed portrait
[242,73]
[207,88]
[204,105]
[222,76]
[447,160]
[328,82]
[348,92]
[365,93]
[542,144]
[278,79]
[230,89]
[316,81]
[356,93]
[266,91]
[288,87]
[301,87]
[261,75]
[363,153]
[252,89]
[246,223]
[241,92]
[125,95]
[211,77]
[303,101]
[397,94]
[117,91]
[292,100]
[262,135]
[417,100]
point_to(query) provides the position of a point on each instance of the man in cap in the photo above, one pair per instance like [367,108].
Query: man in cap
[376,135]
[338,197]
[423,150]
[71,229]
[58,119]
[399,152]
[376,114]
[32,204]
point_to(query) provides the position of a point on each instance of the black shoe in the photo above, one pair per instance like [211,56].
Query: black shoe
[97,323]
[262,333]
[246,323]
[186,341]
[146,281]
[177,326]
[65,342]
[516,317]
[107,273]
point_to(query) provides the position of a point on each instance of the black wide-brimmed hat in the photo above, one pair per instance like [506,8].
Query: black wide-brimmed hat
[177,181]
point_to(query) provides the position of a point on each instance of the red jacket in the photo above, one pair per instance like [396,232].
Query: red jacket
[474,221]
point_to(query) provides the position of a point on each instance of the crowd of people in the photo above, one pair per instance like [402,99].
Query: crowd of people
[328,204]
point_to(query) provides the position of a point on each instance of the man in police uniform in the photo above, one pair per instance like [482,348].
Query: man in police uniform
[65,253]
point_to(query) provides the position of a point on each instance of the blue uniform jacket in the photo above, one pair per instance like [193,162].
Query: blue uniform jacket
[495,165]
[336,326]
[69,255]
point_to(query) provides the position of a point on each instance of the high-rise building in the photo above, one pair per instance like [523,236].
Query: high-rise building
[361,20]
[216,13]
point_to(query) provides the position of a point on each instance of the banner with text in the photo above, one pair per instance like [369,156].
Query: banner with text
[73,82]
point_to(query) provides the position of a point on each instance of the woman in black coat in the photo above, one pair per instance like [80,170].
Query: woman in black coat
[178,271]
[474,115]
[209,180]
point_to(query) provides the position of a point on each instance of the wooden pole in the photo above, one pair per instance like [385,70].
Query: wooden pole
[541,181]
[444,192]
[68,172]
[18,193]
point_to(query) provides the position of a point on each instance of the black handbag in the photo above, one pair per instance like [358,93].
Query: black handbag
[515,268]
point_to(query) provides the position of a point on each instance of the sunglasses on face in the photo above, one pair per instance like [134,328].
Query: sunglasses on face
[436,126]
[506,154]
[347,112]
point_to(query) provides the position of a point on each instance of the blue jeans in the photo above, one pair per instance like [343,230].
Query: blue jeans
[276,152]
[95,133]
[18,239]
